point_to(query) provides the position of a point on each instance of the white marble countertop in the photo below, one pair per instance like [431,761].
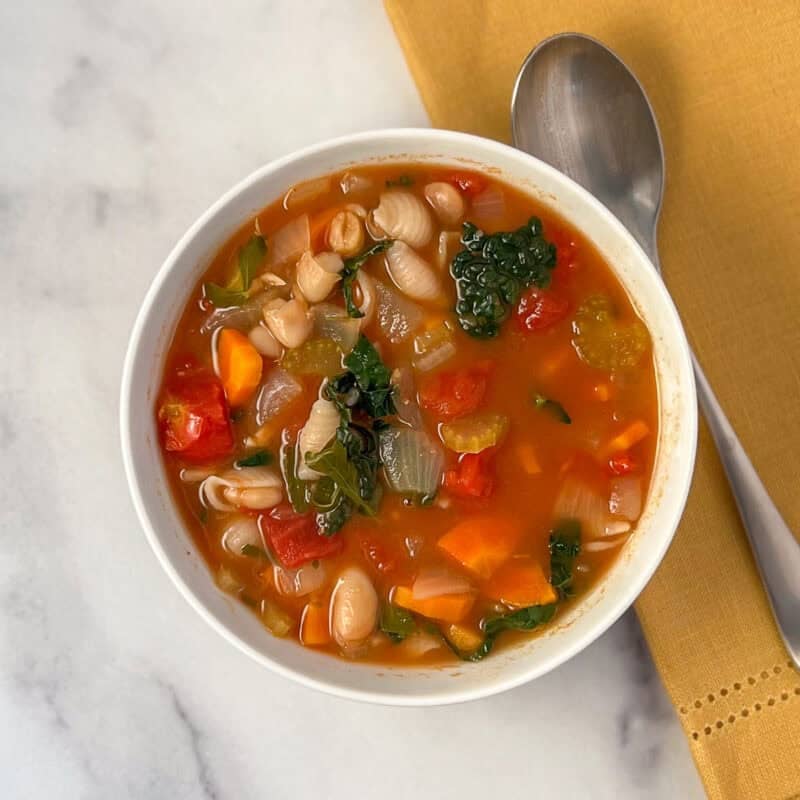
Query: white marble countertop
[121,122]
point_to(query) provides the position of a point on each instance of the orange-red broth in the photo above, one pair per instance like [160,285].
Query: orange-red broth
[600,403]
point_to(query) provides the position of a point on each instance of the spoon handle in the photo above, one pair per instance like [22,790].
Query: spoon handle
[775,548]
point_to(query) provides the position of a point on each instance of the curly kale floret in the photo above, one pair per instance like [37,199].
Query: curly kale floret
[492,271]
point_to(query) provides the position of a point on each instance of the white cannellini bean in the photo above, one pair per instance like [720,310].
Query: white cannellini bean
[320,428]
[404,216]
[262,339]
[411,273]
[240,532]
[446,201]
[250,487]
[354,610]
[317,275]
[346,234]
[288,321]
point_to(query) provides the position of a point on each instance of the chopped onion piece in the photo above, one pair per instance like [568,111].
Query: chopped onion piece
[241,317]
[412,462]
[405,398]
[279,390]
[626,497]
[227,581]
[352,182]
[489,204]
[332,322]
[290,241]
[581,501]
[275,619]
[418,644]
[398,317]
[438,581]
[305,192]
[605,544]
[616,527]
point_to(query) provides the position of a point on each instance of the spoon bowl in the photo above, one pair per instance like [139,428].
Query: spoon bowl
[579,108]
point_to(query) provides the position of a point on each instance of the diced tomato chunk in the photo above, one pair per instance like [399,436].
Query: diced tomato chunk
[295,538]
[623,464]
[193,417]
[469,182]
[472,476]
[538,309]
[454,393]
[379,554]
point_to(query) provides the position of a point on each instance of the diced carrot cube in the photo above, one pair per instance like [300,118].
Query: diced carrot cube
[240,366]
[464,638]
[520,582]
[630,436]
[527,458]
[446,607]
[602,392]
[314,625]
[482,543]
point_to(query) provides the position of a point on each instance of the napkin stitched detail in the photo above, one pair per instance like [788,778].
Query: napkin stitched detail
[729,696]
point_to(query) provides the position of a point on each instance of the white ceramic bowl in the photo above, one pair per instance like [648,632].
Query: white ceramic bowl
[405,686]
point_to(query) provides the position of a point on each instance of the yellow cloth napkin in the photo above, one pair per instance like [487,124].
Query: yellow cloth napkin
[724,78]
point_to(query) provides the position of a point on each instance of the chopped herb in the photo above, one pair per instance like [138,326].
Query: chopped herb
[524,619]
[251,551]
[222,297]
[259,459]
[237,415]
[493,269]
[248,601]
[397,623]
[202,515]
[251,255]
[553,407]
[372,379]
[401,180]
[565,546]
[334,461]
[350,271]
[295,488]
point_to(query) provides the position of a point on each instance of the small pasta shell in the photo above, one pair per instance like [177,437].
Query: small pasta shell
[446,201]
[320,428]
[317,275]
[368,300]
[411,273]
[288,321]
[251,487]
[404,216]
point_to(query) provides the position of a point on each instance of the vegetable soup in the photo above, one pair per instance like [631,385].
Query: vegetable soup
[407,414]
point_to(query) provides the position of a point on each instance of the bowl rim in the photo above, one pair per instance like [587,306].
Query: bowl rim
[679,486]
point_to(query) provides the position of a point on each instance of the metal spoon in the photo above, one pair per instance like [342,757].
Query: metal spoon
[578,107]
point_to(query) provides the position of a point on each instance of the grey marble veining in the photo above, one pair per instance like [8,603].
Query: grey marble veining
[121,122]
